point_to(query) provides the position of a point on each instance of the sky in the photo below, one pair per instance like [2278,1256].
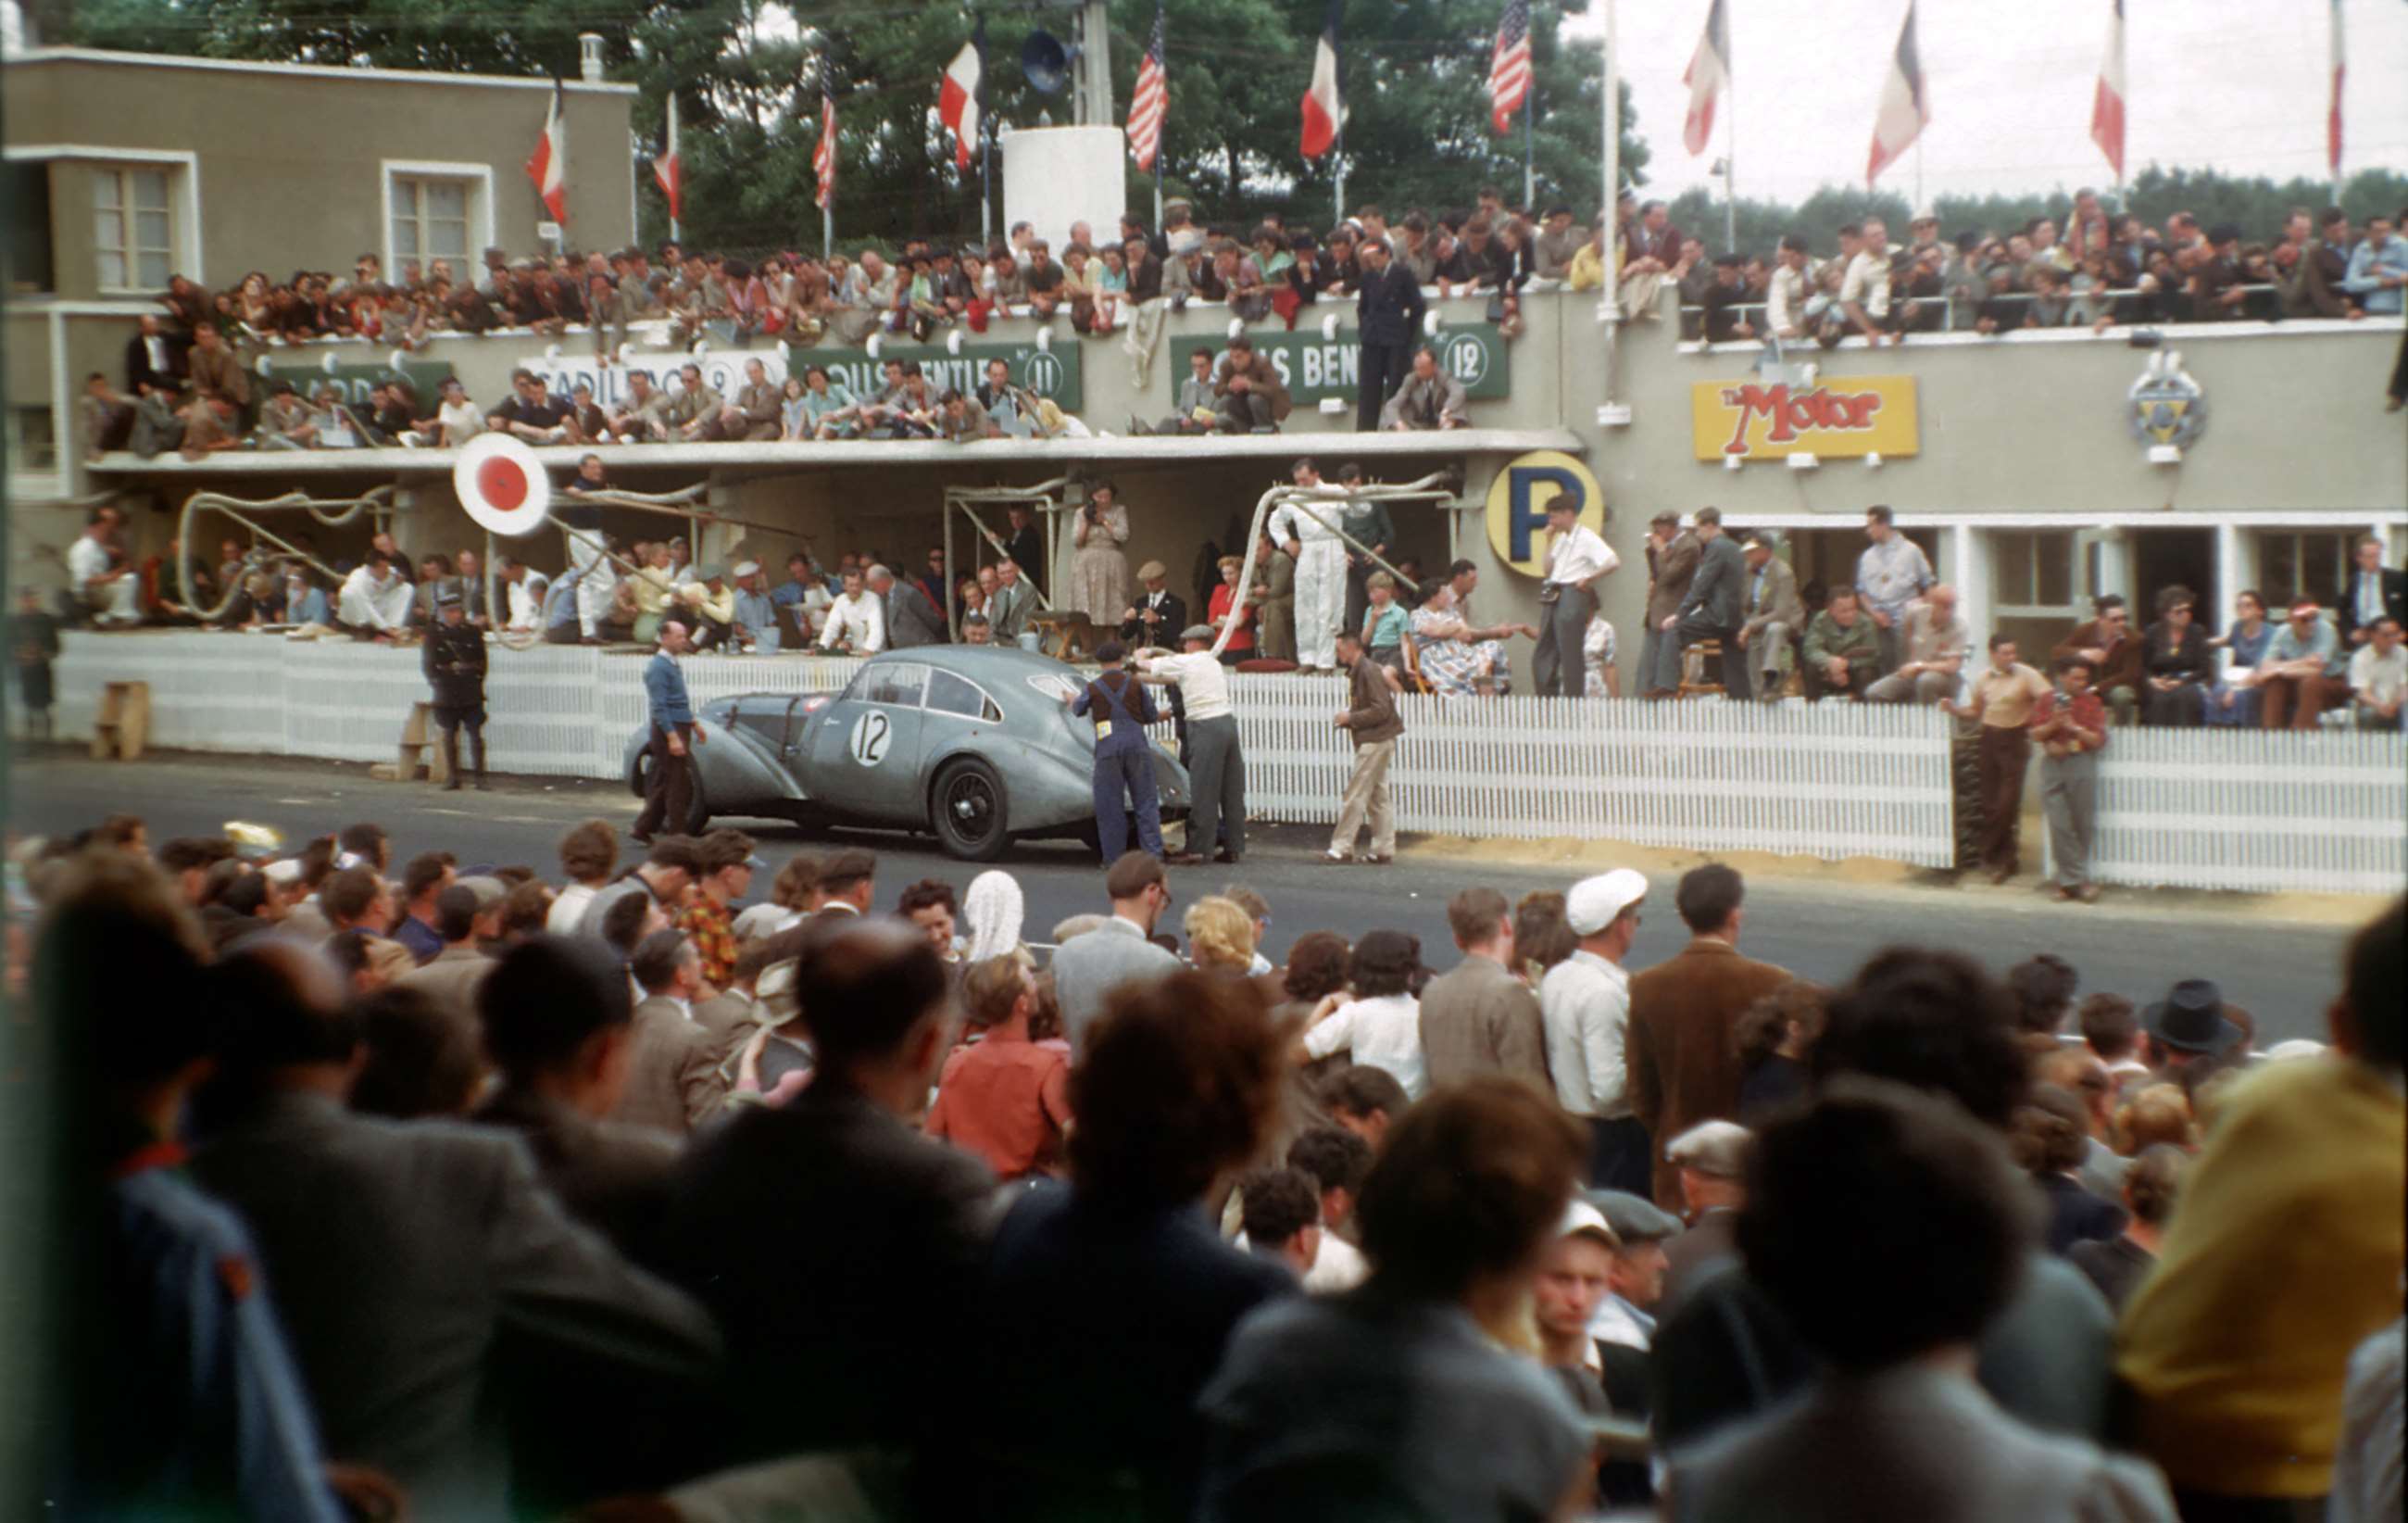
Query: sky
[2239,86]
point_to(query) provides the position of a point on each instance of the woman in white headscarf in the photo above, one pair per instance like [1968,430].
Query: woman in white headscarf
[993,909]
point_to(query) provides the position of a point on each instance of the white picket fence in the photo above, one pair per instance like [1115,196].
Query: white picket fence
[2321,812]
[2255,811]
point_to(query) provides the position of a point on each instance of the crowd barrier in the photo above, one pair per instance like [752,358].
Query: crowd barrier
[2194,809]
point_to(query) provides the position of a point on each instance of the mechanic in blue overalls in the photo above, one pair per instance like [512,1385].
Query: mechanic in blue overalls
[1121,708]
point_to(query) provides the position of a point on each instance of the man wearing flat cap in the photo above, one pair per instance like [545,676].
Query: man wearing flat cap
[1636,1293]
[1157,615]
[1584,1007]
[1711,1157]
[1216,767]
[756,616]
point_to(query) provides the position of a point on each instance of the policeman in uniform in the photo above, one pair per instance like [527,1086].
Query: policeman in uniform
[453,658]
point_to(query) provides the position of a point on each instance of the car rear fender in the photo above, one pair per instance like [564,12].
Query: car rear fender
[1044,788]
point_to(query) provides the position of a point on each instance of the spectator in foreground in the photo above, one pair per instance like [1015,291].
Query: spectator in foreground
[1477,1018]
[2237,1393]
[1003,1098]
[1088,968]
[1936,1021]
[1119,1295]
[835,1242]
[1895,1424]
[2117,1265]
[1394,1401]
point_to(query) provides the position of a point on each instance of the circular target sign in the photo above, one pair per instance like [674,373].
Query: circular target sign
[502,485]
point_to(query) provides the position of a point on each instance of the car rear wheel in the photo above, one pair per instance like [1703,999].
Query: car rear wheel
[966,808]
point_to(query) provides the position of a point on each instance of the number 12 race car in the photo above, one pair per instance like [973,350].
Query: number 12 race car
[973,743]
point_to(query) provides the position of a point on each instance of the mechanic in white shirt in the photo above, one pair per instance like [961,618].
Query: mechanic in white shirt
[1585,1006]
[1216,766]
[527,588]
[855,621]
[1576,556]
[374,601]
[1381,1026]
[101,584]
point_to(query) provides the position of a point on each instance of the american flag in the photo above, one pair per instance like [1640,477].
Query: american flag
[1509,74]
[1149,102]
[823,156]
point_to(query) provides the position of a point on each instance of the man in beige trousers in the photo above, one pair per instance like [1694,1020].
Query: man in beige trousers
[1373,718]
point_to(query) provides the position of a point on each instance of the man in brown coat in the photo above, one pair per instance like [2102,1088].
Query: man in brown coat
[1680,1058]
[1371,716]
[1478,1017]
[2114,652]
[673,1080]
[1253,396]
[1672,555]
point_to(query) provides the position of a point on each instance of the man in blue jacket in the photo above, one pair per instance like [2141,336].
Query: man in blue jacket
[1121,708]
[1387,320]
[668,791]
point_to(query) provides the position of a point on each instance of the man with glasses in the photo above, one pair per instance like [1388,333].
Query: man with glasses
[1091,965]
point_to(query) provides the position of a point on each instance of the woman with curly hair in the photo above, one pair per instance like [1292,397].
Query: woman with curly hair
[1772,1040]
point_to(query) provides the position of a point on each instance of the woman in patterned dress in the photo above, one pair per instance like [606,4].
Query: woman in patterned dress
[1457,660]
[1099,572]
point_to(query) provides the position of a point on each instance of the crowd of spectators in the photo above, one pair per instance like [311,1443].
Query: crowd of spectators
[2093,268]
[478,1192]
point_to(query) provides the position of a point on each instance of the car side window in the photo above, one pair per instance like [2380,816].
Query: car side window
[949,694]
[898,683]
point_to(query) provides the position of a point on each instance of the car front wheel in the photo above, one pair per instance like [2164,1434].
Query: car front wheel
[966,808]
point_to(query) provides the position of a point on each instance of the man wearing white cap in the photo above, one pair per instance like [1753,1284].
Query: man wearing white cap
[1574,1274]
[1585,1003]
[1711,1157]
[756,617]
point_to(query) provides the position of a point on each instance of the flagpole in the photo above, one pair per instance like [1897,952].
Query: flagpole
[1529,158]
[1162,36]
[1730,154]
[560,237]
[676,235]
[1609,307]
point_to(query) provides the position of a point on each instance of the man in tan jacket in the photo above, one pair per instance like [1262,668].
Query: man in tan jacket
[673,1080]
[1682,1065]
[1371,716]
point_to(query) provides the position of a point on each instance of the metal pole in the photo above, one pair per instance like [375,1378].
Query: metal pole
[1730,162]
[986,178]
[1338,161]
[1609,307]
[1529,155]
[676,235]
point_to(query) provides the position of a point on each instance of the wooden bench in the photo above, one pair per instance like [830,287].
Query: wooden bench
[121,727]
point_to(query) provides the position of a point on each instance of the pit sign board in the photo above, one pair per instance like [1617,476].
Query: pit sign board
[1314,369]
[1050,373]
[1848,415]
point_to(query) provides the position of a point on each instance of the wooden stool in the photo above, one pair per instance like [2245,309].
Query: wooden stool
[1699,653]
[421,745]
[1066,635]
[122,725]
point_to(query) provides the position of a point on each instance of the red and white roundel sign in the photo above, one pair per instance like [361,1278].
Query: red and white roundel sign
[502,485]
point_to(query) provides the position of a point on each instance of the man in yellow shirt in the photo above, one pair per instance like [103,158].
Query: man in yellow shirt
[2284,1253]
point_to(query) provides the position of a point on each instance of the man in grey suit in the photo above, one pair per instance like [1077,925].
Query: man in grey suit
[400,1252]
[557,1021]
[466,915]
[1477,1018]
[910,618]
[1773,614]
[673,1080]
[1088,968]
[838,1244]
[1711,609]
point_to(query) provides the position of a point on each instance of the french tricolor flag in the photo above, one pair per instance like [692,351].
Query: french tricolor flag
[2107,105]
[1321,97]
[957,101]
[547,165]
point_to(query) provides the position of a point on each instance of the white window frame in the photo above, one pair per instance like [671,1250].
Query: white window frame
[184,202]
[2075,577]
[480,179]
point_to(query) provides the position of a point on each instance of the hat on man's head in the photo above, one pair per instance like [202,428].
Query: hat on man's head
[447,597]
[1715,1149]
[489,890]
[1108,652]
[1595,902]
[1152,571]
[1204,632]
[2190,1018]
[1581,1217]
[747,569]
[1634,1218]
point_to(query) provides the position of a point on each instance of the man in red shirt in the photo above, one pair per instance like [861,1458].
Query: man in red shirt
[2070,726]
[1004,1096]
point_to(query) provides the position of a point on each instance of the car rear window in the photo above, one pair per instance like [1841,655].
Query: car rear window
[1054,685]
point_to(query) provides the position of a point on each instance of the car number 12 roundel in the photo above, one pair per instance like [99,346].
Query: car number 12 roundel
[870,733]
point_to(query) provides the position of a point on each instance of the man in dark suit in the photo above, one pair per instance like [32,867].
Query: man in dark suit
[911,619]
[2374,592]
[1387,322]
[1157,617]
[1710,608]
[1681,1064]
[557,1021]
[836,1242]
[154,359]
[401,1252]
[1026,545]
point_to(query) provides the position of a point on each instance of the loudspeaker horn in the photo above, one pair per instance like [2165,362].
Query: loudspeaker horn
[1046,62]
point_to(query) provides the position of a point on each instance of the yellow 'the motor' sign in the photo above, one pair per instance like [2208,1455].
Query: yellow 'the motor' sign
[1847,415]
